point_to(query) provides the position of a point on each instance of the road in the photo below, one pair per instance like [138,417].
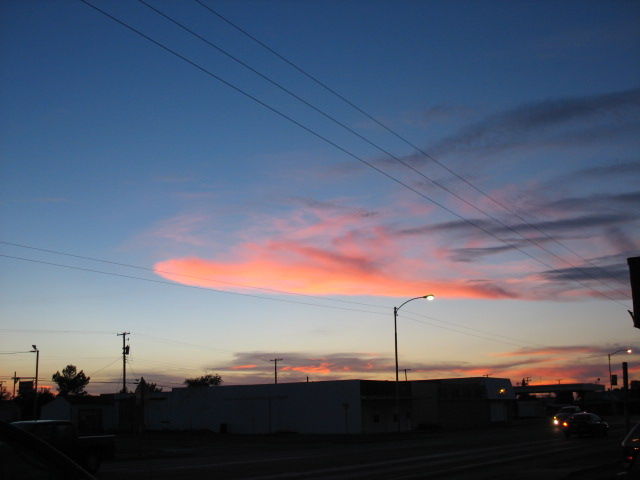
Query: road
[523,452]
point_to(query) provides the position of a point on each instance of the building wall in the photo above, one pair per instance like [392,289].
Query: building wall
[90,417]
[464,402]
[338,407]
[317,407]
[426,413]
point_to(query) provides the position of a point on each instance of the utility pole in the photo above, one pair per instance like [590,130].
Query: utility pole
[125,352]
[405,373]
[275,368]
[35,397]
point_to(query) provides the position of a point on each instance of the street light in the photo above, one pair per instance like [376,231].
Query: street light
[628,350]
[395,333]
[35,397]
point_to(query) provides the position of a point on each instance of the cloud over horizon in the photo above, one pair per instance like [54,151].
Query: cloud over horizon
[330,247]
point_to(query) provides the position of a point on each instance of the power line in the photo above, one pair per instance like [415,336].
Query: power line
[473,330]
[474,335]
[330,142]
[174,284]
[106,366]
[231,293]
[412,145]
[272,290]
[49,331]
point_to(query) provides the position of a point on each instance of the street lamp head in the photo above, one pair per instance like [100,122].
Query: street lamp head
[625,350]
[34,348]
[430,297]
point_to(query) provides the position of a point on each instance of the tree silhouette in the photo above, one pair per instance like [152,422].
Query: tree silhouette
[70,381]
[4,394]
[204,381]
[153,388]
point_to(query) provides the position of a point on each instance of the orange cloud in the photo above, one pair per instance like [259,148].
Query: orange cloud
[242,367]
[323,368]
[329,249]
[314,271]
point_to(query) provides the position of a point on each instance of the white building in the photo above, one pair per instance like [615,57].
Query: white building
[334,407]
[348,406]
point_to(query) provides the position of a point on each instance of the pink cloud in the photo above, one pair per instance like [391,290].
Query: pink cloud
[318,369]
[242,367]
[313,271]
[328,249]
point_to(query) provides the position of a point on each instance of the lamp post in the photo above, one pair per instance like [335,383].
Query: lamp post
[395,338]
[613,405]
[628,350]
[35,397]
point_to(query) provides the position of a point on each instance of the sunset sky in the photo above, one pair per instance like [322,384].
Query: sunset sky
[233,182]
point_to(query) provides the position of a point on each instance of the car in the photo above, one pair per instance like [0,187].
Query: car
[88,451]
[564,413]
[631,448]
[585,424]
[23,455]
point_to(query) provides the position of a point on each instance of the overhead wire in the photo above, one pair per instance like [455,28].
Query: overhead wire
[267,107]
[323,138]
[183,285]
[174,284]
[417,148]
[351,154]
[236,293]
[195,277]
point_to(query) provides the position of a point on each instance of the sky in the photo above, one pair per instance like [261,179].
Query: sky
[235,182]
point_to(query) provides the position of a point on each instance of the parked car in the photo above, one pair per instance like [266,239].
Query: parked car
[564,413]
[631,448]
[23,455]
[88,451]
[585,424]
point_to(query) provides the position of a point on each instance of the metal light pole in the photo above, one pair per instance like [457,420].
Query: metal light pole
[628,350]
[395,338]
[35,397]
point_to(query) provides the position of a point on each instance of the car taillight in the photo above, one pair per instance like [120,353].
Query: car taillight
[565,424]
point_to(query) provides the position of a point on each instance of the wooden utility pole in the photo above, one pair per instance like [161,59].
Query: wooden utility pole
[125,352]
[275,368]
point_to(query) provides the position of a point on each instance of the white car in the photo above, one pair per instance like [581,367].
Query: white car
[564,413]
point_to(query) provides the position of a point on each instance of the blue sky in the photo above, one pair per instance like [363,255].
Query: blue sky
[214,197]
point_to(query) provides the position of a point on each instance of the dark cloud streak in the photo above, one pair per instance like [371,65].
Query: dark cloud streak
[530,123]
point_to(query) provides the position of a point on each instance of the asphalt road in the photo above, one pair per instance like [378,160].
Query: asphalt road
[516,452]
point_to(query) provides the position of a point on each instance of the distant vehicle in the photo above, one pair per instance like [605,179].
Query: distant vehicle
[23,455]
[89,451]
[564,413]
[631,447]
[585,424]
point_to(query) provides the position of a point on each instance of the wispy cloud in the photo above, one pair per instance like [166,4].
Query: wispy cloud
[546,364]
[182,230]
[580,120]
[328,247]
